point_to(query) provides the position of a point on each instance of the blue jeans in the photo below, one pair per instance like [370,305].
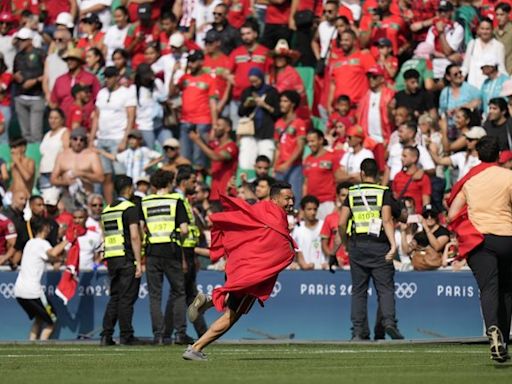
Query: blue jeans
[6,111]
[190,150]
[159,133]
[295,177]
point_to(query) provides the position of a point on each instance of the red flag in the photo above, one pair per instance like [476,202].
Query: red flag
[257,244]
[69,281]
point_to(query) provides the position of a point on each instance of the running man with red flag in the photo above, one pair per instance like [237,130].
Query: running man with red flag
[257,245]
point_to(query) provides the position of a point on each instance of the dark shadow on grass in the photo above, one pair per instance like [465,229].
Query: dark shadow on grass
[503,366]
[272,358]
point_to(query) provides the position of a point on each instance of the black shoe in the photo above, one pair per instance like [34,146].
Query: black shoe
[499,350]
[184,340]
[107,341]
[394,333]
[379,336]
[131,341]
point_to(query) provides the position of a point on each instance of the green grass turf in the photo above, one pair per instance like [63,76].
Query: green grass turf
[242,363]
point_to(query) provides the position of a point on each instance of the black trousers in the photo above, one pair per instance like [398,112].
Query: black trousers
[491,264]
[190,293]
[274,32]
[303,37]
[171,267]
[367,261]
[124,290]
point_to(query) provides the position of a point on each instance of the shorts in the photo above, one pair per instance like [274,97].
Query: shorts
[240,303]
[108,165]
[38,308]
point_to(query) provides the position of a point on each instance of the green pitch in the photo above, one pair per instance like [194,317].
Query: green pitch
[242,363]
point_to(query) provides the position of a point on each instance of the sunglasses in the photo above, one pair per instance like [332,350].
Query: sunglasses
[428,215]
[328,11]
[170,148]
[78,217]
[82,139]
[457,73]
[469,139]
[218,14]
[96,205]
[59,40]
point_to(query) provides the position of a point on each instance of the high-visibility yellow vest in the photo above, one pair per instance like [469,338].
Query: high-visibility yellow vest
[113,228]
[362,214]
[160,215]
[193,230]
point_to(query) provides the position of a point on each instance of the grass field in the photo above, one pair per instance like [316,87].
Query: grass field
[242,363]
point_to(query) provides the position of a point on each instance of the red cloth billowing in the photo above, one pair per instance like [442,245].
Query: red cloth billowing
[69,281]
[257,244]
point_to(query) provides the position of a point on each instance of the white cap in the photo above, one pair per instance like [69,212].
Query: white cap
[176,40]
[171,142]
[24,34]
[65,18]
[489,60]
[50,195]
[476,133]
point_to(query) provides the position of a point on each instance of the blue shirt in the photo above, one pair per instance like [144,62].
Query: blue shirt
[492,89]
[467,93]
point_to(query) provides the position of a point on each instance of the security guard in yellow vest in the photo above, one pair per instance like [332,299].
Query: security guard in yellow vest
[166,222]
[120,223]
[185,187]
[371,248]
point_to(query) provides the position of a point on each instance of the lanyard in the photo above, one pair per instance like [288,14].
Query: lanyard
[363,197]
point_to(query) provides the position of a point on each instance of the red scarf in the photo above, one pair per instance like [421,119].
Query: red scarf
[69,281]
[468,237]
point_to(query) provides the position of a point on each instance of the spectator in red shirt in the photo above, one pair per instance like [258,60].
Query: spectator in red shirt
[319,173]
[290,136]
[386,60]
[79,114]
[343,114]
[5,97]
[349,71]
[168,25]
[223,154]
[412,181]
[423,16]
[140,34]
[238,12]
[7,239]
[61,93]
[329,232]
[92,36]
[242,59]
[278,20]
[199,107]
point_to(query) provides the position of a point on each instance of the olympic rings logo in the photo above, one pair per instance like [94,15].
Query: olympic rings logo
[405,290]
[7,290]
[276,289]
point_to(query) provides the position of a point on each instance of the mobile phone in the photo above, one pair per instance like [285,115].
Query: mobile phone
[193,127]
[413,219]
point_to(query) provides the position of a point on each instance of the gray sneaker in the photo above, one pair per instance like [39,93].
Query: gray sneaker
[200,304]
[192,354]
[498,348]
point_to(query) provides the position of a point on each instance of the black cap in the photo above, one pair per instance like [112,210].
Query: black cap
[91,18]
[136,134]
[79,88]
[195,55]
[383,42]
[78,132]
[430,210]
[111,71]
[445,6]
[212,36]
[144,11]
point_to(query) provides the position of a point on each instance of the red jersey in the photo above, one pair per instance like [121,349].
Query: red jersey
[7,231]
[391,27]
[5,94]
[278,13]
[197,92]
[54,7]
[218,68]
[81,115]
[86,42]
[143,36]
[320,176]
[347,12]
[329,232]
[240,63]
[416,188]
[239,11]
[335,118]
[21,5]
[133,10]
[349,75]
[223,170]
[65,219]
[287,137]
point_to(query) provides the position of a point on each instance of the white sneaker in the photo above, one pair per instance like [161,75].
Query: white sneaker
[498,348]
[192,354]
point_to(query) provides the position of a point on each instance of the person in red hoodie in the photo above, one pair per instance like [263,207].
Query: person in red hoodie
[257,243]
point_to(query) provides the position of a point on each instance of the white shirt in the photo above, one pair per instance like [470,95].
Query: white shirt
[114,38]
[463,163]
[395,159]
[454,37]
[149,107]
[475,55]
[135,160]
[326,32]
[309,242]
[203,16]
[105,15]
[28,283]
[113,117]
[93,225]
[89,244]
[50,148]
[374,118]
[165,64]
[8,50]
[351,161]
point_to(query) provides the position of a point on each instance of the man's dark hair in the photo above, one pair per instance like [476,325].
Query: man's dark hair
[488,149]
[161,179]
[169,16]
[34,198]
[223,5]
[17,142]
[227,120]
[411,74]
[123,9]
[413,150]
[344,98]
[293,96]
[278,186]
[269,179]
[370,168]
[262,158]
[449,69]
[183,174]
[486,20]
[121,182]
[333,2]
[251,24]
[343,185]
[504,7]
[317,132]
[411,126]
[350,32]
[38,223]
[499,102]
[309,199]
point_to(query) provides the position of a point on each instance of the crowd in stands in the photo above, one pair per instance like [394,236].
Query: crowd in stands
[249,92]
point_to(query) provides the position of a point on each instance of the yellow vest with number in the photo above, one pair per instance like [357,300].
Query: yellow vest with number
[193,230]
[113,228]
[160,215]
[361,213]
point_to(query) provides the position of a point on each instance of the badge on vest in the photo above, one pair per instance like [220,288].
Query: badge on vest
[374,227]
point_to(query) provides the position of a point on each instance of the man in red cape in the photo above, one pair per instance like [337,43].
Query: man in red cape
[257,245]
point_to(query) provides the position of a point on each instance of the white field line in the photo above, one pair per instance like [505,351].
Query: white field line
[60,357]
